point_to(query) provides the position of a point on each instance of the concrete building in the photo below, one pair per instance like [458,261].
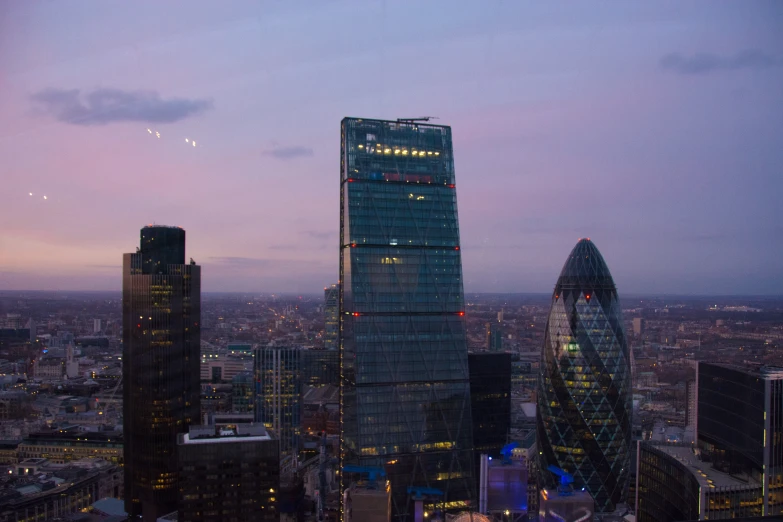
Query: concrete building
[638,327]
[40,490]
[228,474]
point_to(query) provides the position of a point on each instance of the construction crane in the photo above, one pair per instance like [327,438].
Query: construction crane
[372,473]
[414,120]
[109,402]
[419,493]
[507,451]
[566,479]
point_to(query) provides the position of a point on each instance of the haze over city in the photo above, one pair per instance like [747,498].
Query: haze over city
[651,128]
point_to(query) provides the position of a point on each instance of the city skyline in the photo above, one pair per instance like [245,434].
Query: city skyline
[644,127]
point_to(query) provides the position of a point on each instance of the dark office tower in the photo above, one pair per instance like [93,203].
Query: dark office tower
[278,395]
[319,367]
[490,403]
[405,392]
[243,393]
[161,311]
[331,308]
[583,416]
[494,337]
[740,426]
[228,474]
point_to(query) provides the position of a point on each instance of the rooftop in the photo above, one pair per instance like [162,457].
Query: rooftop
[707,476]
[209,435]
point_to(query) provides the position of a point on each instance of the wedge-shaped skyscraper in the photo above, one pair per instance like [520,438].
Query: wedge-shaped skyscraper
[584,392]
[405,389]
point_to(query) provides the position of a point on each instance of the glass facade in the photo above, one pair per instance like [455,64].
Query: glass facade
[161,310]
[278,381]
[490,397]
[490,404]
[319,367]
[331,309]
[740,425]
[243,393]
[584,410]
[405,392]
[667,488]
[674,483]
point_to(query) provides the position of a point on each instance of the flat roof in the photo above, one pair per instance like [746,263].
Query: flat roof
[703,471]
[226,438]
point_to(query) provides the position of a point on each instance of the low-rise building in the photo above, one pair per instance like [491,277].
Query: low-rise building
[40,490]
[63,446]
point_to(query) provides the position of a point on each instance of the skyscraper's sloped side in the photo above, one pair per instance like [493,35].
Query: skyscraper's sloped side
[584,398]
[405,393]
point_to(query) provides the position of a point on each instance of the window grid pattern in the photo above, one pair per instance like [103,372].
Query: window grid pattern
[584,400]
[161,365]
[405,392]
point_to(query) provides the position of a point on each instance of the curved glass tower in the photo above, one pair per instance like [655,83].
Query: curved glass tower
[584,390]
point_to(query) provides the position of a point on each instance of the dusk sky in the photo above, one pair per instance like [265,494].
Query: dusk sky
[654,128]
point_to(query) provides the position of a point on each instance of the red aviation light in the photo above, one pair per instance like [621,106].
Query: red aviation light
[356,314]
[451,185]
[587,296]
[456,248]
[351,180]
[460,314]
[353,245]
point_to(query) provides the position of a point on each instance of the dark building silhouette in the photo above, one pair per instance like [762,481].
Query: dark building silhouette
[228,474]
[490,403]
[490,399]
[243,393]
[405,392]
[494,336]
[161,310]
[319,367]
[583,414]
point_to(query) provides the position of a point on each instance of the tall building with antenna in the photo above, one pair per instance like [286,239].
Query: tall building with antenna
[405,390]
[161,316]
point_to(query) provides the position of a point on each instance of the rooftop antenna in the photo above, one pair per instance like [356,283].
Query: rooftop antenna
[414,120]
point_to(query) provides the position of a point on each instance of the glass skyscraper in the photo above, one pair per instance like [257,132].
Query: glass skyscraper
[161,314]
[405,391]
[584,392]
[331,306]
[278,382]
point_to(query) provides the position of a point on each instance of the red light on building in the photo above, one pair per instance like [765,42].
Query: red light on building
[451,185]
[460,313]
[456,248]
[356,314]
[587,297]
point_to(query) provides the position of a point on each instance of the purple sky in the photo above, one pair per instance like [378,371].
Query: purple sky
[655,128]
